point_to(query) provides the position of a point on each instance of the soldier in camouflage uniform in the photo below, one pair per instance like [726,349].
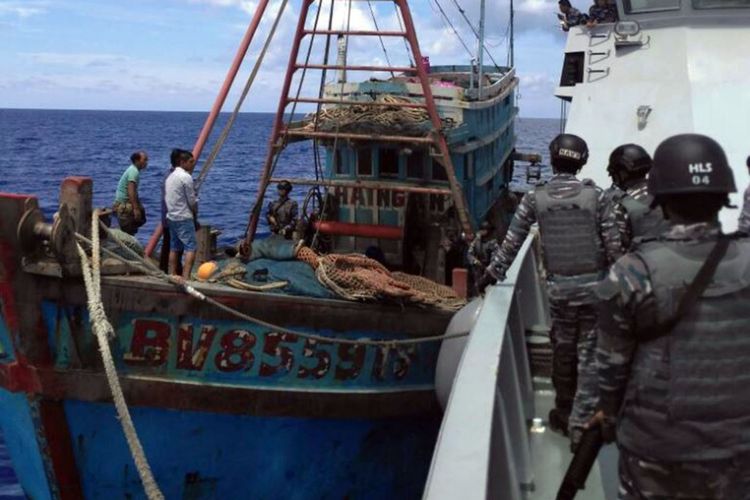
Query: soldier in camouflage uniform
[572,224]
[481,250]
[281,213]
[673,377]
[744,222]
[631,211]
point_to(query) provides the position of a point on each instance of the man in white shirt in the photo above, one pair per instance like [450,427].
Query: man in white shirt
[182,208]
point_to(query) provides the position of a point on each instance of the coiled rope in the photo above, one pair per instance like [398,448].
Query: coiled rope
[149,268]
[104,332]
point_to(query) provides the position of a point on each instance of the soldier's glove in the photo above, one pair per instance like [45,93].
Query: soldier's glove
[486,280]
[607,424]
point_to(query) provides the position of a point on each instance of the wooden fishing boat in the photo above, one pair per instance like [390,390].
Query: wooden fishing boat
[256,394]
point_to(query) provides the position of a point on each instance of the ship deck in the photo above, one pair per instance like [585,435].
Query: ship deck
[550,454]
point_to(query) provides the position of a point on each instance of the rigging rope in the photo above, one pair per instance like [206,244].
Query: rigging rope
[334,162]
[403,29]
[377,28]
[228,127]
[476,33]
[152,270]
[455,31]
[103,331]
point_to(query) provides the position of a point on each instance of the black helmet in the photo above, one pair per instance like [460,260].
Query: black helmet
[629,159]
[568,151]
[690,163]
[284,186]
[487,225]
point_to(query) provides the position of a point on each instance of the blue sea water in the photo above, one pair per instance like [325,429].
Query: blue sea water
[38,148]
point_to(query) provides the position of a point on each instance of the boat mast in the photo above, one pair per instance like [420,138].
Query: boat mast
[512,22]
[480,50]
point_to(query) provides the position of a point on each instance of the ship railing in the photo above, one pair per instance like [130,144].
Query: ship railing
[483,448]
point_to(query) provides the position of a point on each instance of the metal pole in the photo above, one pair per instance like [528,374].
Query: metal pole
[480,50]
[512,27]
[218,104]
[231,74]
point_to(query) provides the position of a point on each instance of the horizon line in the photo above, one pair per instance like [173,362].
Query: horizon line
[4,108]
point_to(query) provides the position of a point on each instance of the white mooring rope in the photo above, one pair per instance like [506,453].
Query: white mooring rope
[104,332]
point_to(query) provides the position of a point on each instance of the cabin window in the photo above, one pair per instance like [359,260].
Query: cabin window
[388,163]
[364,161]
[340,166]
[640,6]
[438,172]
[572,70]
[720,4]
[415,165]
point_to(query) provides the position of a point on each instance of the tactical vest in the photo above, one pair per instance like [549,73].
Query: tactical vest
[568,226]
[645,222]
[688,396]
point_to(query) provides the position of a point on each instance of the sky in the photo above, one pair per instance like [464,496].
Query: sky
[172,55]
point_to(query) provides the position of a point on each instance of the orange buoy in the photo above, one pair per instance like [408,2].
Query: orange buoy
[206,270]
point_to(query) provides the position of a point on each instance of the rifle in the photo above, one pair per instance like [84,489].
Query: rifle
[581,464]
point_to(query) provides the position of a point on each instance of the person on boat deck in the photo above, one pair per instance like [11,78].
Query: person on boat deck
[127,206]
[673,348]
[281,213]
[577,250]
[602,12]
[174,159]
[744,222]
[570,16]
[633,215]
[482,249]
[182,210]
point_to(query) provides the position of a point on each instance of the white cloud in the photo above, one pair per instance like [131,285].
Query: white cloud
[246,5]
[72,59]
[23,9]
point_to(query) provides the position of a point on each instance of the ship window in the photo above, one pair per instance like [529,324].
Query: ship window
[572,71]
[640,6]
[415,165]
[438,172]
[721,4]
[388,163]
[364,161]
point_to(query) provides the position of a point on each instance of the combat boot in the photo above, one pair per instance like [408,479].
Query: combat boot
[558,421]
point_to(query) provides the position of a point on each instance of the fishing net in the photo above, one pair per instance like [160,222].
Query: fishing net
[367,118]
[356,277]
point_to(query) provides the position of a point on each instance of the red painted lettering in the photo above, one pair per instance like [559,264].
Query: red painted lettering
[403,360]
[384,199]
[150,343]
[341,195]
[399,199]
[189,357]
[351,361]
[272,348]
[236,351]
[315,350]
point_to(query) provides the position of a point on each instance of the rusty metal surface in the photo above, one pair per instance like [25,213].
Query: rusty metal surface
[163,393]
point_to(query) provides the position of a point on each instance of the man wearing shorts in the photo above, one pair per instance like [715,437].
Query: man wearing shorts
[182,207]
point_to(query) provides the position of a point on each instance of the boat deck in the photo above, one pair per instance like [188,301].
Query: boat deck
[550,453]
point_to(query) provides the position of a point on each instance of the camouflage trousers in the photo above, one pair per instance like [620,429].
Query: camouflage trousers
[574,373]
[715,480]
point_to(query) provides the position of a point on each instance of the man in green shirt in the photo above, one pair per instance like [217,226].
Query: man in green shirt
[127,206]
